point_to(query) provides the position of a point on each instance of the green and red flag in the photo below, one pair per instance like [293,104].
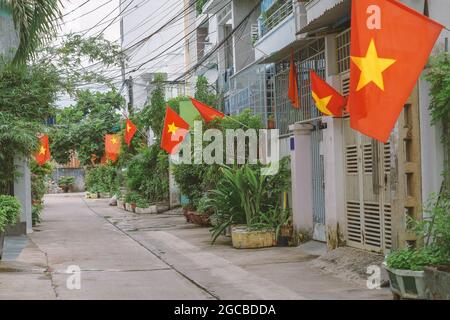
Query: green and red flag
[112,146]
[293,84]
[390,44]
[208,113]
[175,130]
[130,131]
[327,99]
[43,153]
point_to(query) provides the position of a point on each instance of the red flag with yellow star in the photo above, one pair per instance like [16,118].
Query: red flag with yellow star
[208,113]
[174,131]
[130,131]
[293,84]
[327,99]
[112,146]
[390,44]
[43,153]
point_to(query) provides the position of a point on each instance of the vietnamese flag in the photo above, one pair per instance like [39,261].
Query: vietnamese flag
[43,154]
[327,99]
[208,113]
[130,131]
[174,131]
[293,84]
[112,146]
[390,44]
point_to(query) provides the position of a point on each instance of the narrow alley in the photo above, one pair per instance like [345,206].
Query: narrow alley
[128,256]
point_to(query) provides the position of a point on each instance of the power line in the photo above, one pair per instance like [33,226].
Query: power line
[81,5]
[204,58]
[141,42]
[85,14]
[120,13]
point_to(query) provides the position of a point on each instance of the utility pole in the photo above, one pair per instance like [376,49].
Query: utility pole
[130,95]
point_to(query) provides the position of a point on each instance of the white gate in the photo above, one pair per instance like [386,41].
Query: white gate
[367,191]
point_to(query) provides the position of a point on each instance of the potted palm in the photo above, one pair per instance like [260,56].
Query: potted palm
[9,213]
[65,183]
[246,200]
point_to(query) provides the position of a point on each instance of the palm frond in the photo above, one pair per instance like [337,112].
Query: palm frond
[36,22]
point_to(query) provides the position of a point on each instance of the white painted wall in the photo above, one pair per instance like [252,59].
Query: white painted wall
[143,22]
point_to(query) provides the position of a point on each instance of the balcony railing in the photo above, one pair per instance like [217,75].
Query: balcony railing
[268,23]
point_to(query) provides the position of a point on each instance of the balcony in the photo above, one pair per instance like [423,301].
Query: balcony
[276,29]
[277,13]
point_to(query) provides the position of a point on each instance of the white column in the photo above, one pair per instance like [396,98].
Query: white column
[22,191]
[301,166]
[334,180]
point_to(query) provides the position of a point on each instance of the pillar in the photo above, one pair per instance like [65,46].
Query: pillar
[301,166]
[22,191]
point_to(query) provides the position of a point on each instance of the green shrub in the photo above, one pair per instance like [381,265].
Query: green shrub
[416,259]
[434,231]
[102,178]
[147,175]
[66,181]
[9,211]
[36,213]
[244,196]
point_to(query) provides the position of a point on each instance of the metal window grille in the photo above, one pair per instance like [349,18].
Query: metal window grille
[343,51]
[312,57]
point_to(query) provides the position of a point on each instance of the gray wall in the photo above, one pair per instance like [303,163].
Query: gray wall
[78,173]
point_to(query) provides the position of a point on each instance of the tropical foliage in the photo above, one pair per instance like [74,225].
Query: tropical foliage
[245,196]
[36,20]
[434,232]
[9,211]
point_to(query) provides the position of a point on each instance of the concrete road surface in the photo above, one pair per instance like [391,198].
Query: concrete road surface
[126,256]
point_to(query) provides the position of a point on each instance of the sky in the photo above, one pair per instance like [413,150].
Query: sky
[84,18]
[141,18]
[88,15]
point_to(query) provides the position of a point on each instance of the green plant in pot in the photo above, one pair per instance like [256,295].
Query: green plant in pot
[9,214]
[66,183]
[246,197]
[407,267]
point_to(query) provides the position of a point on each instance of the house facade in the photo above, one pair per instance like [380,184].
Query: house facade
[347,189]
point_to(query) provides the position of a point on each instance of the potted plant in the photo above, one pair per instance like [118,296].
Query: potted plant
[9,213]
[245,200]
[271,122]
[413,271]
[143,206]
[66,183]
[201,216]
[130,201]
[436,233]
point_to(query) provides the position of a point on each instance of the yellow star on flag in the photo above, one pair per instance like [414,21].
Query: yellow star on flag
[114,140]
[173,128]
[321,103]
[42,150]
[128,128]
[372,67]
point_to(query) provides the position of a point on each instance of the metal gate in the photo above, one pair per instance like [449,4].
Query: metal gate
[318,183]
[311,57]
[367,191]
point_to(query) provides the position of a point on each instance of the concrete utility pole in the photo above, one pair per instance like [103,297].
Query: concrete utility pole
[130,95]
